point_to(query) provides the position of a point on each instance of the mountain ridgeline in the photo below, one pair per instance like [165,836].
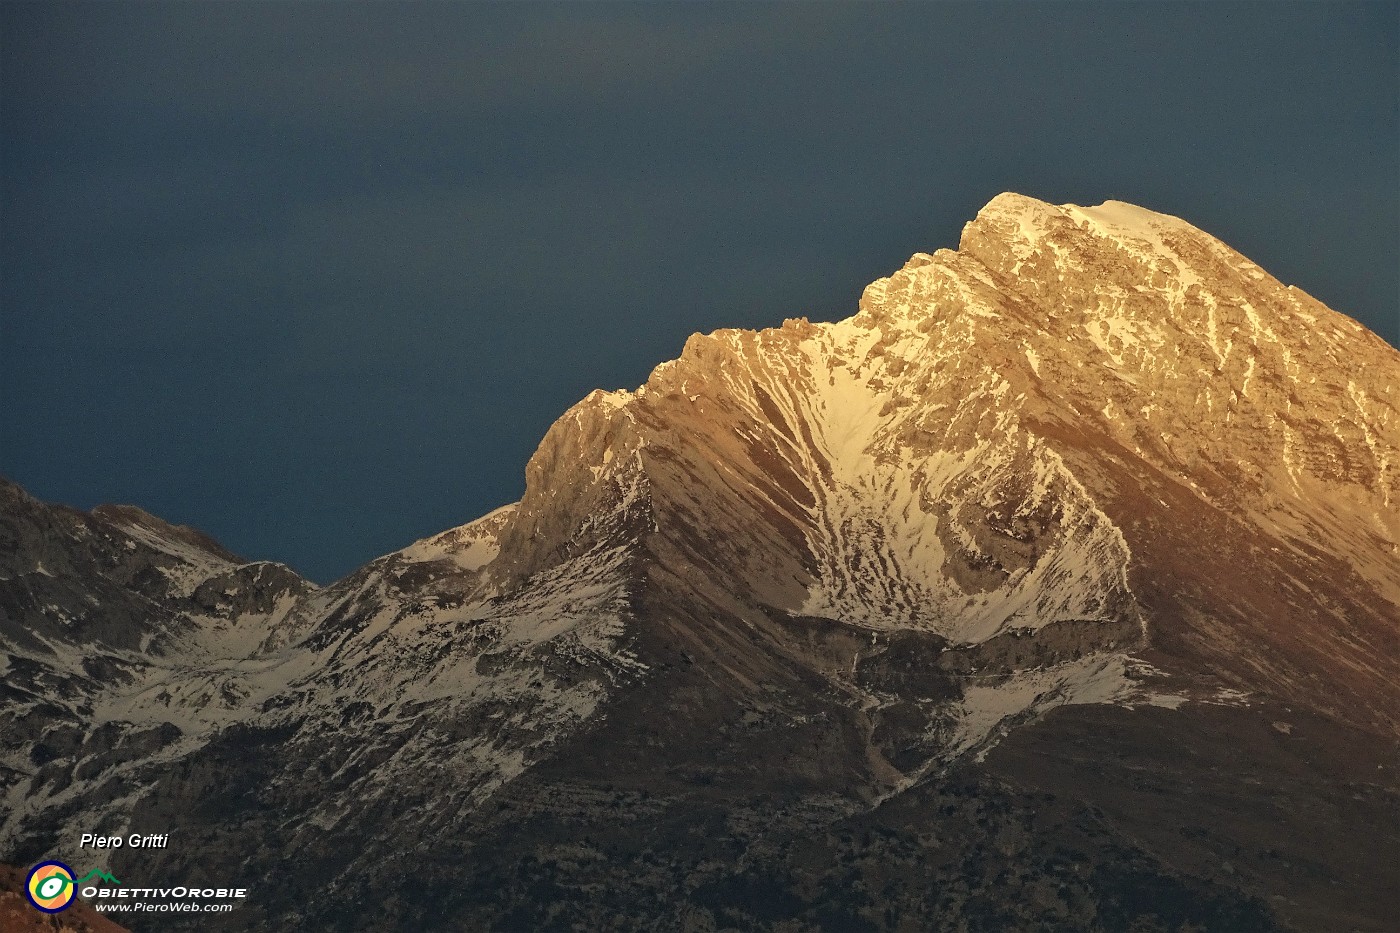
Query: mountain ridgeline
[1058,588]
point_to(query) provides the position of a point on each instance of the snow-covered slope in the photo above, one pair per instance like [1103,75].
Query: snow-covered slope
[412,642]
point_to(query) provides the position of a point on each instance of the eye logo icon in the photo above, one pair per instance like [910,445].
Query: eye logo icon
[50,887]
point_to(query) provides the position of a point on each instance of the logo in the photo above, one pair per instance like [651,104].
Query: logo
[99,875]
[50,887]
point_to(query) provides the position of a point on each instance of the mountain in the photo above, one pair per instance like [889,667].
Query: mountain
[1058,588]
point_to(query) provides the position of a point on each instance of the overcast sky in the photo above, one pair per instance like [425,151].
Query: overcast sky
[317,278]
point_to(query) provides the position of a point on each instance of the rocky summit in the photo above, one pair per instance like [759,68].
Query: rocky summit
[1057,589]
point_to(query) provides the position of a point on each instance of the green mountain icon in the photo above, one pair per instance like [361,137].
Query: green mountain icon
[99,875]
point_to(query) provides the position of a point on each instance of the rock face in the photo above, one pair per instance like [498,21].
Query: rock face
[1057,588]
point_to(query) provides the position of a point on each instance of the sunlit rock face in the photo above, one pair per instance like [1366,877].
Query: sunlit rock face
[1078,404]
[949,573]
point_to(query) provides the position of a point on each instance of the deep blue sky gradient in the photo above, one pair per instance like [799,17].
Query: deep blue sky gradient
[317,278]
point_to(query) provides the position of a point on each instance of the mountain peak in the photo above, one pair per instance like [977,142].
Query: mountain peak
[1111,213]
[1029,220]
[1011,202]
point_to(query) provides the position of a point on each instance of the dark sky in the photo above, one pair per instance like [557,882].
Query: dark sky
[316,279]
